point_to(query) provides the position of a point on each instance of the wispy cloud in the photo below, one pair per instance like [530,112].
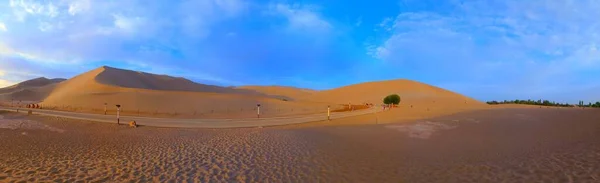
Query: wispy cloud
[222,41]
[539,45]
[358,22]
[302,17]
[3,27]
[80,32]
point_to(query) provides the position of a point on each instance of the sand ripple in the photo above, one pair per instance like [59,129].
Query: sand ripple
[501,148]
[422,130]
[25,124]
[120,154]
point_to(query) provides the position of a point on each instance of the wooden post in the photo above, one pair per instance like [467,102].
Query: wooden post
[118,113]
[257,110]
[328,114]
[105,108]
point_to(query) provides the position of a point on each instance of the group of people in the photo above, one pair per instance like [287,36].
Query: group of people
[34,106]
[389,106]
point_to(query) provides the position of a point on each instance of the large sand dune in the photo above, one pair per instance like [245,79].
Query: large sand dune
[411,93]
[156,94]
[31,90]
[141,80]
[148,94]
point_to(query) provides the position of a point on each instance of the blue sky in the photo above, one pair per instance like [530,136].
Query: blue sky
[489,50]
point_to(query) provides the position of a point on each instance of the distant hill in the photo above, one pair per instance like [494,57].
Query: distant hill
[31,90]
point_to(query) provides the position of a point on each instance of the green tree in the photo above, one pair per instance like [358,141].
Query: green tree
[392,99]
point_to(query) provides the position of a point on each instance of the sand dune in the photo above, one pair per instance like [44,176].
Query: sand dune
[150,93]
[146,94]
[412,93]
[284,92]
[374,92]
[31,90]
[33,83]
[141,80]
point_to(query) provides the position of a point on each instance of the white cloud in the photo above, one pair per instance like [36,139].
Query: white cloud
[78,6]
[47,26]
[3,27]
[127,24]
[540,44]
[385,24]
[302,17]
[80,32]
[23,8]
[52,10]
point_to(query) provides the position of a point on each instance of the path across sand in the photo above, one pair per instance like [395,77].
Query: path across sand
[197,123]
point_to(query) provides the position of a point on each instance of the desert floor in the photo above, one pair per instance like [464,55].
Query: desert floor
[510,145]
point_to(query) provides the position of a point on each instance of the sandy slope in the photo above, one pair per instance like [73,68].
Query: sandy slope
[412,93]
[31,90]
[373,92]
[32,83]
[148,93]
[284,92]
[141,80]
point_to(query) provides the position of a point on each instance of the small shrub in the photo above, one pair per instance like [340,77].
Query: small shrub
[392,99]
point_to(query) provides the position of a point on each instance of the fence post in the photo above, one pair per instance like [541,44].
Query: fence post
[328,114]
[258,110]
[118,111]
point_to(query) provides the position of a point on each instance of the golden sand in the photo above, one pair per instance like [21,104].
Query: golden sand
[510,145]
[151,95]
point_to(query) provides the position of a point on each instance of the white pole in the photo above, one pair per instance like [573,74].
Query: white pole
[328,114]
[118,111]
[258,111]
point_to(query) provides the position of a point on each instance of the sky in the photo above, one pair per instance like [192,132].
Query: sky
[488,50]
